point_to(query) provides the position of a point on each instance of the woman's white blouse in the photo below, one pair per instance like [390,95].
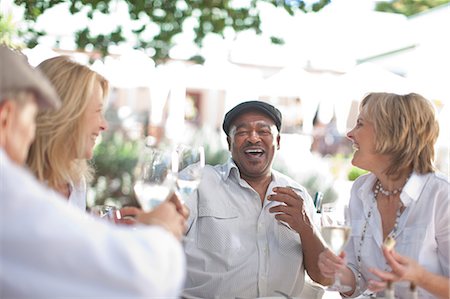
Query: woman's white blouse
[78,195]
[423,229]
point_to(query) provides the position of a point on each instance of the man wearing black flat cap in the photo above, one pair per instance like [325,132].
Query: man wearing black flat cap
[250,231]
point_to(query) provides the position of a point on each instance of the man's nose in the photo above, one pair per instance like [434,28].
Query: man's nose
[254,136]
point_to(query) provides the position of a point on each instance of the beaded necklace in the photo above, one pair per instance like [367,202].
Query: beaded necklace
[378,188]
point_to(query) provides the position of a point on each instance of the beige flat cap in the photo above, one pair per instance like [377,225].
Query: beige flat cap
[16,74]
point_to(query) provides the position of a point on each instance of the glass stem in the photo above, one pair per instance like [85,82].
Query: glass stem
[337,280]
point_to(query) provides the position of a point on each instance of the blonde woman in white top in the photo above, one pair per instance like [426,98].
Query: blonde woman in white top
[65,138]
[402,198]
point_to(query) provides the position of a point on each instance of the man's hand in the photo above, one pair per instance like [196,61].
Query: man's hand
[292,211]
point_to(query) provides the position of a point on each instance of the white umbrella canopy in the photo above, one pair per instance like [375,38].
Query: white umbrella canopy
[221,76]
[359,81]
[368,77]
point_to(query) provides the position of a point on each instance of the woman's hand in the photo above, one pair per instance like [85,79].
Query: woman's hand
[330,264]
[167,216]
[403,269]
[127,215]
[182,209]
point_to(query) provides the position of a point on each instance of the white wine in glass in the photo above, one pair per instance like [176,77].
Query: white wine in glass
[336,237]
[155,176]
[336,233]
[191,161]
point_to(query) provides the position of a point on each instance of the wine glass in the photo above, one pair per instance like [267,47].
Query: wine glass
[191,161]
[336,232]
[155,175]
[109,213]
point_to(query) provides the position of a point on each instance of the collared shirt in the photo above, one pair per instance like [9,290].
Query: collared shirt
[49,249]
[423,229]
[234,246]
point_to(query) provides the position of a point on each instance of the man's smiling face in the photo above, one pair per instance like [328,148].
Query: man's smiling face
[253,141]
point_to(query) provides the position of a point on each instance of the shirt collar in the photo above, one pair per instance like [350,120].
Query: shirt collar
[413,188]
[230,168]
[365,191]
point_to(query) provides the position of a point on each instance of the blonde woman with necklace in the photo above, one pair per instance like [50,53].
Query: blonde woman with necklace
[402,201]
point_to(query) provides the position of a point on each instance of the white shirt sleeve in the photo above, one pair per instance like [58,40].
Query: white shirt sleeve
[50,249]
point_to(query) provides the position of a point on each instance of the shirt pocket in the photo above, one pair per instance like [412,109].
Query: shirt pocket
[288,241]
[410,241]
[218,230]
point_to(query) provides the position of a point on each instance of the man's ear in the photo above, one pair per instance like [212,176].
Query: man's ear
[278,141]
[6,116]
[6,110]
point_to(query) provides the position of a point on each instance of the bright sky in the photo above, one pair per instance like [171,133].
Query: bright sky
[335,37]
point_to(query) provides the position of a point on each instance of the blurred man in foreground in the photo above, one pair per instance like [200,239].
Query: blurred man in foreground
[49,249]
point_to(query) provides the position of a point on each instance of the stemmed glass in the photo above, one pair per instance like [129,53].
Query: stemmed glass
[109,213]
[155,175]
[335,232]
[191,161]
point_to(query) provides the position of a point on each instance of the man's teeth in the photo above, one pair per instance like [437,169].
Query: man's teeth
[254,151]
[355,147]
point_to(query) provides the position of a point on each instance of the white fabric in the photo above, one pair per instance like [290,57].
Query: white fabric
[423,229]
[49,250]
[78,194]
[235,247]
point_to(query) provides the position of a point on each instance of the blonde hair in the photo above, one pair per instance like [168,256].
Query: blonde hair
[53,156]
[405,128]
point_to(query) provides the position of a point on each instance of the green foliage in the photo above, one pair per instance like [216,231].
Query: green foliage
[408,7]
[355,172]
[115,159]
[7,30]
[212,16]
[316,184]
[214,156]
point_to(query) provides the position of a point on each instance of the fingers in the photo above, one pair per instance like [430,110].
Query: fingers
[185,212]
[399,258]
[130,211]
[385,276]
[329,263]
[126,221]
[286,195]
[376,286]
[285,209]
[175,199]
[395,261]
[166,216]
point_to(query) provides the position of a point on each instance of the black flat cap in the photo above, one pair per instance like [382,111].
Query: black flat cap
[259,106]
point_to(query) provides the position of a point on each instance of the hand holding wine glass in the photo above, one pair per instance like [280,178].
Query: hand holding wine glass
[336,233]
[167,216]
